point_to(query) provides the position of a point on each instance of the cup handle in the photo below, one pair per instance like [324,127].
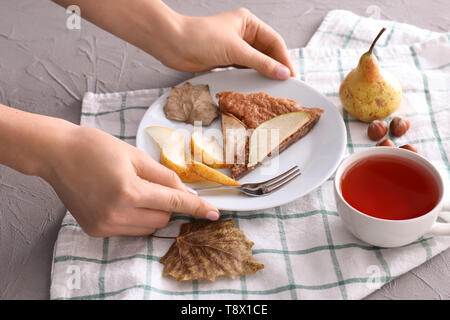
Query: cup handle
[441,228]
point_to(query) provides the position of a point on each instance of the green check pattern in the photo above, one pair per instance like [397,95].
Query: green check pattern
[306,250]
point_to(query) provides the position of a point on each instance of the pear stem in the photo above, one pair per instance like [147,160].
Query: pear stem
[376,39]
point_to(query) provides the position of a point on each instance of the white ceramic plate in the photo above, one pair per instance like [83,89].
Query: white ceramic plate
[317,154]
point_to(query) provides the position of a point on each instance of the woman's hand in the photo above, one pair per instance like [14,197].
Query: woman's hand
[112,188]
[231,38]
[109,186]
[190,43]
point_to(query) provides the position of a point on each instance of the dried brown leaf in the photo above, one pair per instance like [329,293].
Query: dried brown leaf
[191,103]
[206,250]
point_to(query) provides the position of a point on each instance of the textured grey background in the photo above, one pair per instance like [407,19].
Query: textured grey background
[45,68]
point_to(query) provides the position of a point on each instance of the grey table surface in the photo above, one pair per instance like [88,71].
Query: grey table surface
[46,68]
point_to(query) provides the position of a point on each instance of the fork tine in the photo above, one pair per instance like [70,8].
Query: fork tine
[275,186]
[268,185]
[279,176]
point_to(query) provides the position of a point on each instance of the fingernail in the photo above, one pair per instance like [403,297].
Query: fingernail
[283,72]
[212,215]
[190,190]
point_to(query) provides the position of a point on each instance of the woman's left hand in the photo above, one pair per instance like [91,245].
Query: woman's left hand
[232,38]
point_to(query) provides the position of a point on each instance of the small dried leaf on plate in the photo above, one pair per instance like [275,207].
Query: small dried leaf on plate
[190,103]
[206,250]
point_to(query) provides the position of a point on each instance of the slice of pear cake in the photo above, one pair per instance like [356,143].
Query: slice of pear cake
[270,124]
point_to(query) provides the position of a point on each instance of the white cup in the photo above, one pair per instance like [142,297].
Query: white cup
[384,232]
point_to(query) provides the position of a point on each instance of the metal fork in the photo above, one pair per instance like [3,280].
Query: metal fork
[261,188]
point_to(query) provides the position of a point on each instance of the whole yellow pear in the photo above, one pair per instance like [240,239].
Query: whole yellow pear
[368,92]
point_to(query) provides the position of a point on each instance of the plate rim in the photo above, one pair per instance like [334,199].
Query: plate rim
[284,200]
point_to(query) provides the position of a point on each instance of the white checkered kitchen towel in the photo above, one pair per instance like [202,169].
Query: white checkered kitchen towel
[307,252]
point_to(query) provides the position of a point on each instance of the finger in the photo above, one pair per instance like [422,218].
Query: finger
[133,221]
[109,230]
[158,197]
[129,231]
[265,39]
[269,42]
[248,56]
[145,218]
[150,170]
[237,66]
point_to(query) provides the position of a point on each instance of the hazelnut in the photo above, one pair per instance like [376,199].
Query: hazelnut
[377,129]
[398,126]
[409,147]
[385,143]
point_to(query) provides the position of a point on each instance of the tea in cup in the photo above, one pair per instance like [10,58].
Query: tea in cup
[389,197]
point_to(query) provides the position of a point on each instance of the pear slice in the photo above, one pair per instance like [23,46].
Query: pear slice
[207,150]
[234,134]
[210,174]
[173,150]
[269,135]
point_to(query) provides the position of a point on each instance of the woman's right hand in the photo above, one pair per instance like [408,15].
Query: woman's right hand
[113,188]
